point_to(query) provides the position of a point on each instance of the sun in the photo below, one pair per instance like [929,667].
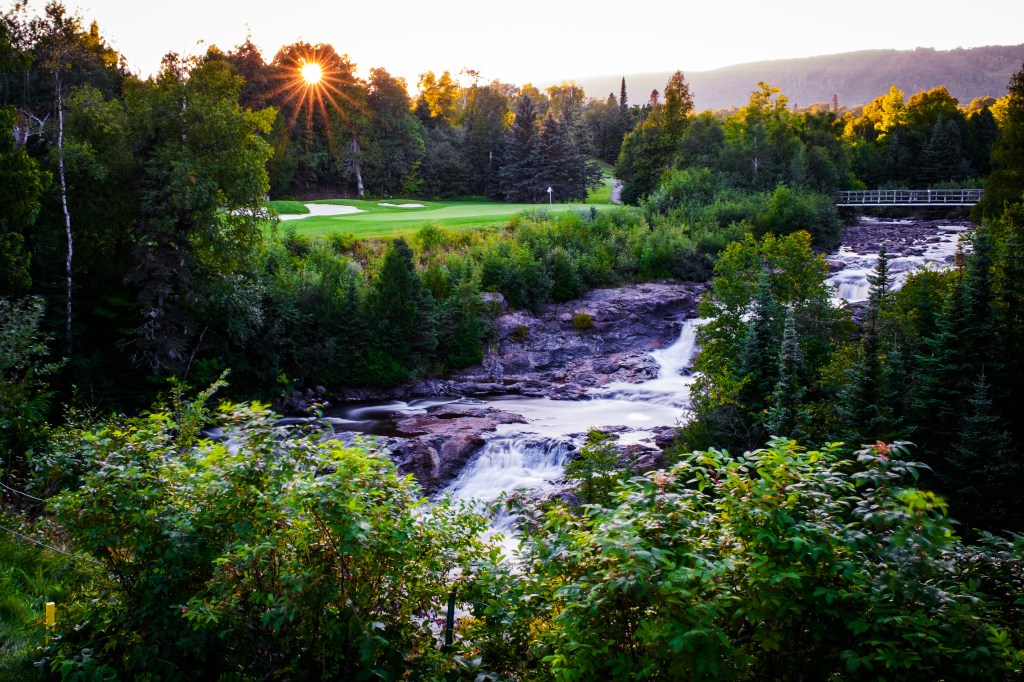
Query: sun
[311,73]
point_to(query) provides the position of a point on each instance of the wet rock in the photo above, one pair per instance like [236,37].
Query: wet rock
[641,458]
[544,354]
[664,436]
[435,446]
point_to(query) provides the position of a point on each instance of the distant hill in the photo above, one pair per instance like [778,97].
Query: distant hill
[855,77]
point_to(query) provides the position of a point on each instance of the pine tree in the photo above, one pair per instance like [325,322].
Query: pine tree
[984,471]
[784,415]
[865,403]
[518,176]
[759,359]
[563,163]
[944,158]
[1007,319]
[406,320]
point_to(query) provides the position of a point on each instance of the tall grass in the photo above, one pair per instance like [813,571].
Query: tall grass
[30,576]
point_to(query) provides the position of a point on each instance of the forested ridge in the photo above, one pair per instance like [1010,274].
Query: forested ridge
[852,77]
[842,503]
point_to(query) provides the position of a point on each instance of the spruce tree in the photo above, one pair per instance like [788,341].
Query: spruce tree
[865,403]
[759,359]
[944,158]
[785,413]
[518,178]
[1006,329]
[984,471]
[406,320]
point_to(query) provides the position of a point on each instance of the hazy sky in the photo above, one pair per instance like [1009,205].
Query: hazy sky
[543,41]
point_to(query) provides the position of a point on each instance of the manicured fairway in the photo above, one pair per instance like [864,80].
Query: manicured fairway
[391,221]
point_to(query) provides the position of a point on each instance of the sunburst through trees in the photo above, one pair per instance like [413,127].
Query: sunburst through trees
[323,107]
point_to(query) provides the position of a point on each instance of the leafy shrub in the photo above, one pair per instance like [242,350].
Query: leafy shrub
[272,556]
[582,321]
[596,471]
[780,564]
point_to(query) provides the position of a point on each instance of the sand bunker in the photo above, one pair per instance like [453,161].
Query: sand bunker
[323,210]
[401,205]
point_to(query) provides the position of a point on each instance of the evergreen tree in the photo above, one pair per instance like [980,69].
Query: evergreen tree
[759,359]
[651,147]
[394,141]
[1005,324]
[563,163]
[518,179]
[484,121]
[865,403]
[979,136]
[461,343]
[785,414]
[406,334]
[984,470]
[944,158]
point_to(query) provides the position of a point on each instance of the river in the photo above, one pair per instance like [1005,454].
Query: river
[532,455]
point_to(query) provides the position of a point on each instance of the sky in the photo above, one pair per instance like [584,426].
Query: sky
[546,41]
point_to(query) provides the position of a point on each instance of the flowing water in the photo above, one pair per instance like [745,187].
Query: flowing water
[851,283]
[533,455]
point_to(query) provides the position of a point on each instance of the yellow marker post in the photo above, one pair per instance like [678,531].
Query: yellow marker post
[51,617]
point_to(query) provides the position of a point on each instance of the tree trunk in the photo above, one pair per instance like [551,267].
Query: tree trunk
[357,166]
[64,205]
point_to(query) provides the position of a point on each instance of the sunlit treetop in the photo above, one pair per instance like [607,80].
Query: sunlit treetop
[313,80]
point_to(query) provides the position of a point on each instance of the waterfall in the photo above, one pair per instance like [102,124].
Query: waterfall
[532,456]
[672,385]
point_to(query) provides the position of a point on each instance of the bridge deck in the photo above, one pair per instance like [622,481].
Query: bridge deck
[909,197]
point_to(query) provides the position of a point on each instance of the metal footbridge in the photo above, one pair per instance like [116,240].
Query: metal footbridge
[909,197]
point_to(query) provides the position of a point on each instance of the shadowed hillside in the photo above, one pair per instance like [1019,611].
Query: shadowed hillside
[855,77]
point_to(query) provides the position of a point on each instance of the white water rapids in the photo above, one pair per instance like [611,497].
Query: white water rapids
[851,283]
[532,456]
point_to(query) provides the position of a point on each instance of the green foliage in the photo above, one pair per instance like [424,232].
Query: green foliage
[24,393]
[756,283]
[406,323]
[793,210]
[780,564]
[597,471]
[968,374]
[265,556]
[30,576]
[21,184]
[582,321]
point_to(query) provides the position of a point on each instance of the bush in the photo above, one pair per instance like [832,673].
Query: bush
[273,557]
[582,321]
[781,564]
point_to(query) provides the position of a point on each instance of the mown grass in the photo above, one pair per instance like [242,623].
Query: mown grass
[376,221]
[287,207]
[603,194]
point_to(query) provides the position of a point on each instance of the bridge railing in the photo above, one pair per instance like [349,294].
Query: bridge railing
[909,197]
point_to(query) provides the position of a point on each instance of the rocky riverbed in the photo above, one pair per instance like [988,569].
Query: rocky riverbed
[569,351]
